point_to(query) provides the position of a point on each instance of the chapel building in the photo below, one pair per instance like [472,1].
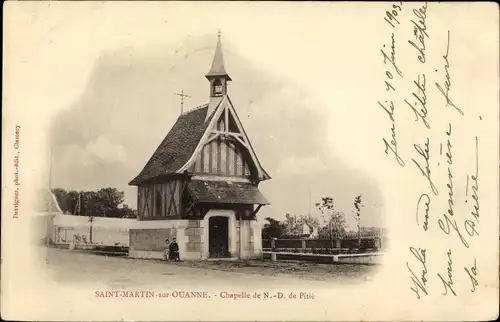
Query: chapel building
[201,183]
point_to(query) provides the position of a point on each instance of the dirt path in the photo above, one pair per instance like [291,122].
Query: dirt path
[73,267]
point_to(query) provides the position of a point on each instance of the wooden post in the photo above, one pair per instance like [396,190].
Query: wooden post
[91,220]
[273,249]
[337,243]
[241,241]
[331,238]
[303,245]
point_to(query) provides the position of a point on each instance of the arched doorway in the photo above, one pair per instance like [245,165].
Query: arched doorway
[218,237]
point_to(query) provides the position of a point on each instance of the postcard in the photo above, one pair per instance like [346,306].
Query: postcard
[250,161]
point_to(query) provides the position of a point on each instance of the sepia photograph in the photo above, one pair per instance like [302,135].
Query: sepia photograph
[261,161]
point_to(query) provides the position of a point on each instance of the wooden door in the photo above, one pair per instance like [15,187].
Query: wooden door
[218,236]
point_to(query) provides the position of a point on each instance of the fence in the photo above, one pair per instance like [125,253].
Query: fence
[344,244]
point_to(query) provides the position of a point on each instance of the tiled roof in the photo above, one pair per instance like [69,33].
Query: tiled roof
[226,192]
[177,147]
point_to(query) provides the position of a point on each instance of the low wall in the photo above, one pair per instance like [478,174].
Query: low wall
[148,240]
[105,231]
[364,258]
[367,259]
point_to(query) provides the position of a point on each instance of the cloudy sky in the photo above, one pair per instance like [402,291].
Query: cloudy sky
[306,92]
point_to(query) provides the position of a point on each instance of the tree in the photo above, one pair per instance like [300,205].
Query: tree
[90,204]
[357,205]
[62,198]
[67,200]
[310,221]
[126,212]
[73,197]
[105,202]
[293,226]
[334,219]
[274,228]
[108,200]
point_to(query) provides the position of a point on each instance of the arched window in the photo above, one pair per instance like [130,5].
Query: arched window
[158,204]
[217,87]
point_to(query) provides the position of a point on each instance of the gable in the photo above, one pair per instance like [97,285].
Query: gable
[225,140]
[223,157]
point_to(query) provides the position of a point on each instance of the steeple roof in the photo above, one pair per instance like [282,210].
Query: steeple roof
[218,68]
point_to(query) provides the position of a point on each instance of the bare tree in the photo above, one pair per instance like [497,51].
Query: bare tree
[335,219]
[358,205]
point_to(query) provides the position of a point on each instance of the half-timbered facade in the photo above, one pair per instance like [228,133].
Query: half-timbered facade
[201,184]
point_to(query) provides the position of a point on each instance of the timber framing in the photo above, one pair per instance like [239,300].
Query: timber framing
[226,110]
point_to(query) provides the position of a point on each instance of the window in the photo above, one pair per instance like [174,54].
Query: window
[217,87]
[158,204]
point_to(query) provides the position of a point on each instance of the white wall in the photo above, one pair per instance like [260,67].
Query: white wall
[105,231]
[257,238]
[112,231]
[251,235]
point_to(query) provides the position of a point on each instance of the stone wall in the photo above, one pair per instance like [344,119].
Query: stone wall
[251,236]
[246,248]
[256,232]
[148,239]
[194,235]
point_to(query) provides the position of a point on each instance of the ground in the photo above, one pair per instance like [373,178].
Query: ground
[70,266]
[61,285]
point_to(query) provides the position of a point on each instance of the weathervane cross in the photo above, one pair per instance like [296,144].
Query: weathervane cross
[182,95]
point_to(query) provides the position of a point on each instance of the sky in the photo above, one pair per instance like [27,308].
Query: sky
[105,82]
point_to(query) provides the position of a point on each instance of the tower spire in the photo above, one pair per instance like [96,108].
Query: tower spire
[217,70]
[218,78]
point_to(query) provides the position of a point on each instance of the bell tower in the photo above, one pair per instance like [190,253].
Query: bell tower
[217,76]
